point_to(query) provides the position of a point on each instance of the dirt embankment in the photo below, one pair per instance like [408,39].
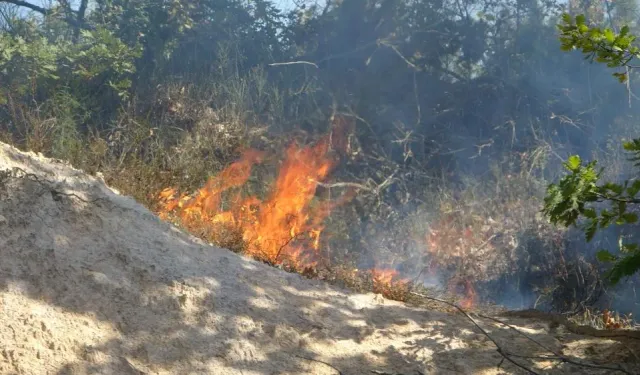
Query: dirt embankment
[93,283]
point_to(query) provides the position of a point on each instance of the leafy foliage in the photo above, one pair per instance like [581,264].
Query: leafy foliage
[577,194]
[602,45]
[22,63]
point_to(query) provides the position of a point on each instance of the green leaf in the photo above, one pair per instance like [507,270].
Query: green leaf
[634,189]
[609,35]
[605,256]
[625,267]
[573,163]
[630,218]
[629,247]
[590,213]
[590,230]
[572,197]
[622,77]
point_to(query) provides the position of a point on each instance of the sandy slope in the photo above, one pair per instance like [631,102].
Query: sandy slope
[107,288]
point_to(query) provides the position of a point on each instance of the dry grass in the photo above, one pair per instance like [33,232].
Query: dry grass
[605,319]
[487,230]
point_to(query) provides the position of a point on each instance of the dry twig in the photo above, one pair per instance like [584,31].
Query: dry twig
[55,193]
[508,355]
[556,356]
[319,361]
[294,63]
[504,354]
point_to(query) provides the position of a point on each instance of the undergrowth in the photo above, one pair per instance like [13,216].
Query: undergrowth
[476,238]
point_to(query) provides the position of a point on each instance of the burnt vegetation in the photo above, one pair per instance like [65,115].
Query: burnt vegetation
[432,130]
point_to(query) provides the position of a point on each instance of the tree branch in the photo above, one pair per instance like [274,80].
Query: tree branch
[503,353]
[80,17]
[619,200]
[72,19]
[294,63]
[556,356]
[25,4]
[508,355]
[319,361]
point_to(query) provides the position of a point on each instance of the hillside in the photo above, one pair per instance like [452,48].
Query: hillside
[91,282]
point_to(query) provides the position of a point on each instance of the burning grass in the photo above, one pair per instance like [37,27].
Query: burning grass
[389,283]
[286,228]
[605,319]
[471,240]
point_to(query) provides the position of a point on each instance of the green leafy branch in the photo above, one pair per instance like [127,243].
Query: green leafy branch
[600,45]
[574,198]
[574,201]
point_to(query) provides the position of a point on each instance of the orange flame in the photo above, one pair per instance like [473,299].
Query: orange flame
[287,216]
[454,245]
[387,283]
[465,287]
[285,228]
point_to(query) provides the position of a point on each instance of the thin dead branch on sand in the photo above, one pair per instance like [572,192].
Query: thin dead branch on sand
[319,361]
[573,327]
[504,354]
[556,356]
[17,173]
[508,356]
[392,373]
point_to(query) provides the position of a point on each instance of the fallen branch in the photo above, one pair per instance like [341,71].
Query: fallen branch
[508,355]
[45,183]
[319,361]
[345,184]
[556,356]
[375,189]
[295,63]
[573,327]
[505,355]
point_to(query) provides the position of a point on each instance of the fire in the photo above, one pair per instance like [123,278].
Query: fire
[387,283]
[456,247]
[465,288]
[286,227]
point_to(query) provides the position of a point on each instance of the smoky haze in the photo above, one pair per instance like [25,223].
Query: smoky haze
[458,113]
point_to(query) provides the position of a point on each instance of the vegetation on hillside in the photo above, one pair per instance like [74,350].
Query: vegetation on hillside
[443,121]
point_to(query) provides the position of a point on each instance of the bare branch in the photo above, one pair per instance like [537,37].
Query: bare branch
[25,4]
[319,361]
[556,356]
[72,18]
[345,184]
[507,355]
[294,63]
[504,354]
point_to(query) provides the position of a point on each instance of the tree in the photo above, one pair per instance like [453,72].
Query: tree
[63,9]
[578,198]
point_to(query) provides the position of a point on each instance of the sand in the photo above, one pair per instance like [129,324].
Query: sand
[91,282]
